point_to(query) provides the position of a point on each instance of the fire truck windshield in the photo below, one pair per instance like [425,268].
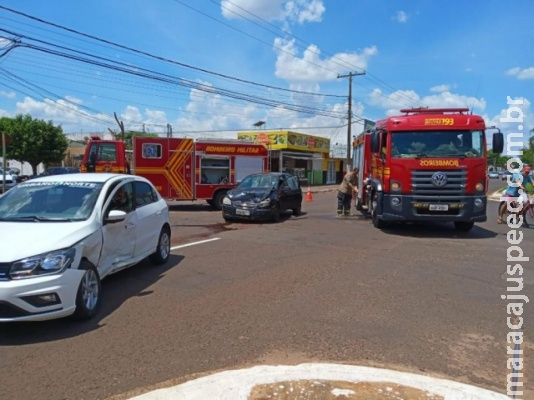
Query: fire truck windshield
[437,144]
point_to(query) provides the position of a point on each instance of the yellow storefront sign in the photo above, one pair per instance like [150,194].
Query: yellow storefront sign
[287,140]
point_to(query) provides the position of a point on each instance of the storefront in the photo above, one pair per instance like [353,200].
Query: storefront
[297,153]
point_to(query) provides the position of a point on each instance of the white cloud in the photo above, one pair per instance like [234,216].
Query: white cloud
[527,73]
[132,114]
[408,98]
[271,10]
[311,67]
[74,100]
[9,95]
[305,10]
[69,116]
[440,88]
[155,117]
[528,118]
[401,17]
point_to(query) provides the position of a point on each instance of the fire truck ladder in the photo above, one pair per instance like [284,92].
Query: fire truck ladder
[423,110]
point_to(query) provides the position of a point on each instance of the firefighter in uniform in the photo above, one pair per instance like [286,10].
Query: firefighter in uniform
[348,187]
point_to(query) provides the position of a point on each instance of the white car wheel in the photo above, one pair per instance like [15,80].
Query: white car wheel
[89,293]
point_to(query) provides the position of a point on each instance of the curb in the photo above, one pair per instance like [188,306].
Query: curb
[238,384]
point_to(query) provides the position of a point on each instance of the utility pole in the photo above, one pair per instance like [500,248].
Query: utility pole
[4,162]
[349,142]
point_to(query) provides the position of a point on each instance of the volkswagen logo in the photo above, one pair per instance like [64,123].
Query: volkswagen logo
[439,179]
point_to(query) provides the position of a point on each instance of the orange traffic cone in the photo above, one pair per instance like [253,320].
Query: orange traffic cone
[309,194]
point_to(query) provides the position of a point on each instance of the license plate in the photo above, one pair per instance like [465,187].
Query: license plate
[439,207]
[242,212]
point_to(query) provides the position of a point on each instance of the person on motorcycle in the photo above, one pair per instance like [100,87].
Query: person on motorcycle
[512,194]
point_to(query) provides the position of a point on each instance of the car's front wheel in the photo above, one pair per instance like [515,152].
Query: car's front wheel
[89,293]
[163,250]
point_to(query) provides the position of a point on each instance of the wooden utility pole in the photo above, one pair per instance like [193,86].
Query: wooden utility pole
[121,125]
[4,166]
[349,141]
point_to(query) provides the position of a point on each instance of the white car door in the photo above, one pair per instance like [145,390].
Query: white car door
[119,238]
[150,218]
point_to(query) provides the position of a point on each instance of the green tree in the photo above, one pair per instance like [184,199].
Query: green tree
[129,135]
[34,141]
[497,160]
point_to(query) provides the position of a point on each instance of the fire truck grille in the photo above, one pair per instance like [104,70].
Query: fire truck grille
[424,183]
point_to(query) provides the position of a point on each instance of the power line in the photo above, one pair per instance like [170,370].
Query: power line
[163,58]
[333,59]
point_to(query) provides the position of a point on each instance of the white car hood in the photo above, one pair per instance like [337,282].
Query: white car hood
[25,239]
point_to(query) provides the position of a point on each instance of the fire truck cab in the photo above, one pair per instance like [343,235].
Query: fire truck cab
[180,168]
[425,165]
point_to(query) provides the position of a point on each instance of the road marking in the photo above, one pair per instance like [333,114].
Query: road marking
[237,384]
[194,243]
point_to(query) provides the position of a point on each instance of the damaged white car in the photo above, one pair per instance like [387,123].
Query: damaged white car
[67,233]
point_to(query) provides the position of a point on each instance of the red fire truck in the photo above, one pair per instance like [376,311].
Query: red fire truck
[425,165]
[180,169]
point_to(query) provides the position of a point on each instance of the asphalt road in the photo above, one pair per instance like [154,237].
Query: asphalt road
[312,288]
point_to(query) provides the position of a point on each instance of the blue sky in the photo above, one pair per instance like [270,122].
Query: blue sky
[212,68]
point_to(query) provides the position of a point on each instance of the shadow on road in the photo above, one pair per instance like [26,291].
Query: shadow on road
[191,207]
[116,289]
[284,216]
[438,230]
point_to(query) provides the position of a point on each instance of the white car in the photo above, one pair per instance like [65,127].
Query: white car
[65,233]
[10,182]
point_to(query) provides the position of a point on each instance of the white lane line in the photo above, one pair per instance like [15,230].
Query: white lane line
[194,243]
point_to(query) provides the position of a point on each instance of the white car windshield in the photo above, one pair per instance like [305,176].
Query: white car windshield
[49,201]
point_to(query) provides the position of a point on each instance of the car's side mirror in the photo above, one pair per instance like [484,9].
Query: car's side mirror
[115,216]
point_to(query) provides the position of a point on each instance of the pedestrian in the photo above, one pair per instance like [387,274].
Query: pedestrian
[348,187]
[517,193]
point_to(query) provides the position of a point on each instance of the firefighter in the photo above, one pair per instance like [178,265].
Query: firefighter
[347,188]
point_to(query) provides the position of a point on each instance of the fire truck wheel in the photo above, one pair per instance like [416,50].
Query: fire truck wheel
[358,205]
[161,255]
[377,222]
[217,199]
[463,226]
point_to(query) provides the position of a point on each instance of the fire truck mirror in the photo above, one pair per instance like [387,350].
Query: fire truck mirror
[375,142]
[498,143]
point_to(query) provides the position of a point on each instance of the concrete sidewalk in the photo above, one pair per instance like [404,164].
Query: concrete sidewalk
[320,382]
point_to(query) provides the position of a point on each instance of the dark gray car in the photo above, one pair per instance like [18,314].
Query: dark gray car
[263,197]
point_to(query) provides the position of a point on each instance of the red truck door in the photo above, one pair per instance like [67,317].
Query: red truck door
[167,163]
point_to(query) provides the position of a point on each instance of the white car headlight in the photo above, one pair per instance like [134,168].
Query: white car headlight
[265,203]
[45,264]
[226,201]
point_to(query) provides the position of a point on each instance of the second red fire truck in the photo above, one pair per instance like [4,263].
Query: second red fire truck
[180,168]
[425,165]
